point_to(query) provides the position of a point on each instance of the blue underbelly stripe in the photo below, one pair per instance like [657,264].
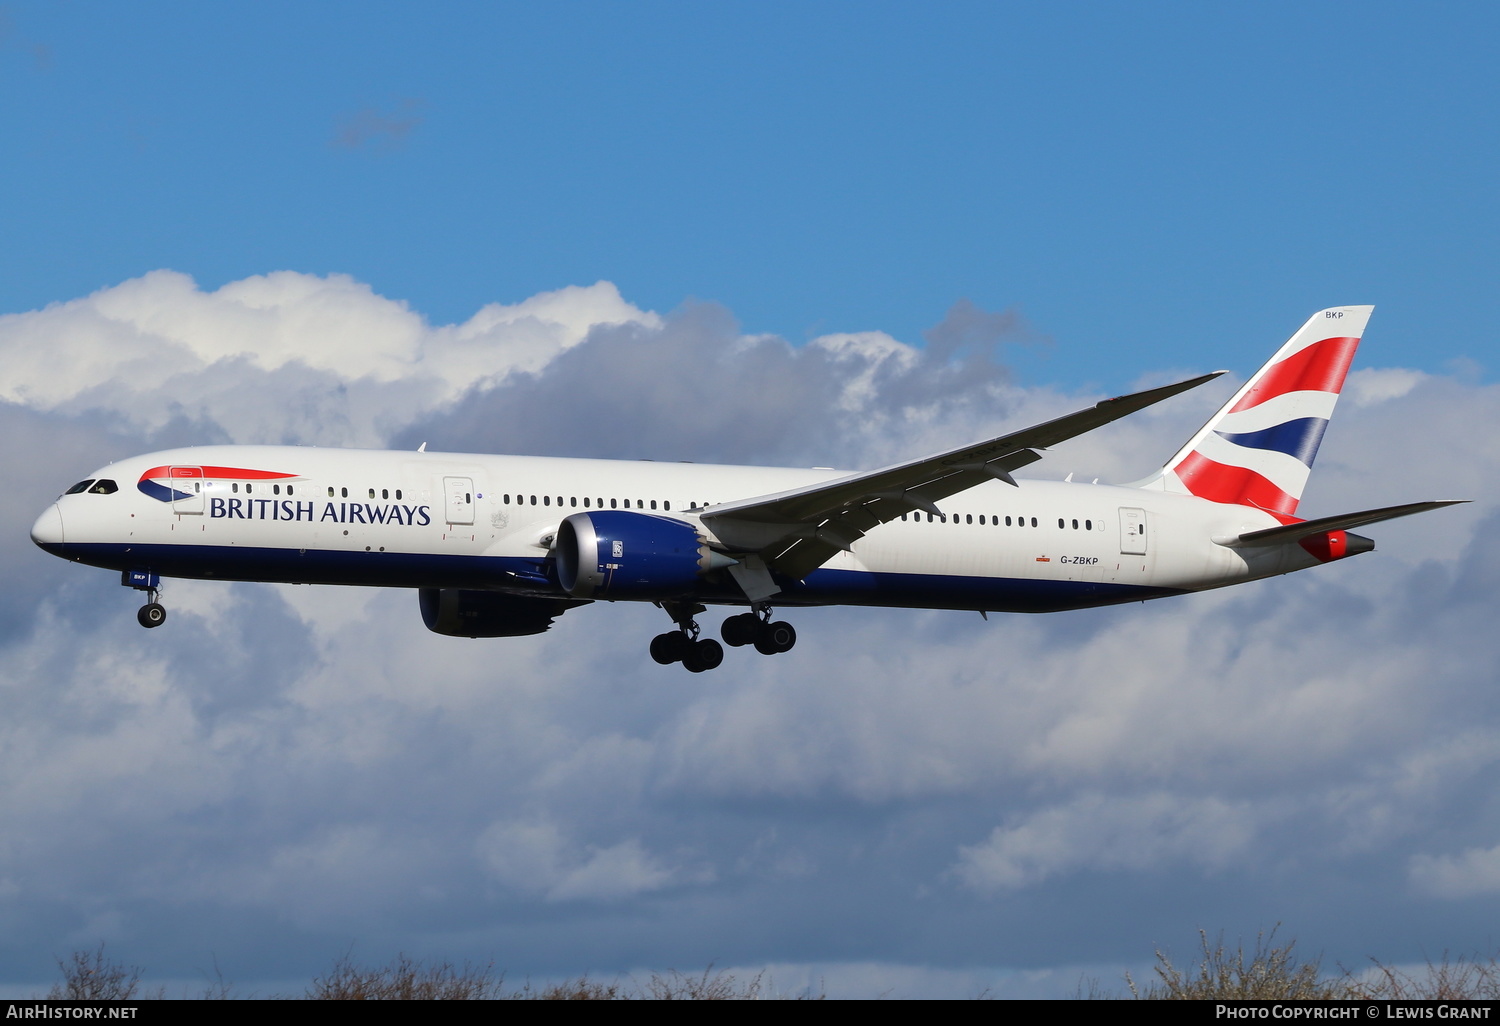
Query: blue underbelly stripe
[528,576]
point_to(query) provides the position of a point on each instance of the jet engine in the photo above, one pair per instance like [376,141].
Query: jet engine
[612,554]
[459,613]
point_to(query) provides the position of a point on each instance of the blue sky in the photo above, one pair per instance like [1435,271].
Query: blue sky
[382,224]
[1119,173]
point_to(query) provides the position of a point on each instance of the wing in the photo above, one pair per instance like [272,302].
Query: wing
[795,532]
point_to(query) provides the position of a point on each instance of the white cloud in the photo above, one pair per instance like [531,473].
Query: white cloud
[533,858]
[1104,832]
[1474,873]
[282,356]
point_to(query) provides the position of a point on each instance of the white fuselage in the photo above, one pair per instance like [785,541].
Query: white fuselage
[448,520]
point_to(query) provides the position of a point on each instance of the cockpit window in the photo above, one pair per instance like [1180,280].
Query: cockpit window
[104,486]
[79,487]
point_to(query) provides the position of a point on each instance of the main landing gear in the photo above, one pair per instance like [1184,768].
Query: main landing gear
[153,613]
[683,645]
[698,654]
[756,628]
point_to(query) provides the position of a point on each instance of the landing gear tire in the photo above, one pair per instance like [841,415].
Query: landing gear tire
[740,630]
[703,655]
[668,648]
[783,634]
[152,614]
[775,638]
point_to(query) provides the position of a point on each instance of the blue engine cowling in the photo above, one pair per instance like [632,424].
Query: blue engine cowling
[460,613]
[618,555]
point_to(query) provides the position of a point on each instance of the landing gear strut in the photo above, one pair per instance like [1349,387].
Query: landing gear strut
[684,645]
[756,628]
[153,613]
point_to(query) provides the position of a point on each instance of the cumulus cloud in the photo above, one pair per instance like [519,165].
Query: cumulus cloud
[288,769]
[279,358]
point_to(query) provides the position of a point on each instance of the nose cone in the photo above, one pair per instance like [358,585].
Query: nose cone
[48,529]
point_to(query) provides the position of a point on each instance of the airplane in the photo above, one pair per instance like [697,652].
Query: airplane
[500,546]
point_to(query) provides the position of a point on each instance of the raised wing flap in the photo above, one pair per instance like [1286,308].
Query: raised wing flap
[798,530]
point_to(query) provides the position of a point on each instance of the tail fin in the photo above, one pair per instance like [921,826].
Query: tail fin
[1258,449]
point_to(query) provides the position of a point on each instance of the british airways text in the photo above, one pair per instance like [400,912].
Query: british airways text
[339,512]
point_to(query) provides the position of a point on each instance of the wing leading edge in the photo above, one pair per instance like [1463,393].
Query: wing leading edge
[794,532]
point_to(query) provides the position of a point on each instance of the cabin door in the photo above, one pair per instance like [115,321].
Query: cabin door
[459,495]
[187,489]
[1132,532]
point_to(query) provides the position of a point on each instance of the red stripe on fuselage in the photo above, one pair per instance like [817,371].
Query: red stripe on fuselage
[1217,482]
[1320,367]
[237,473]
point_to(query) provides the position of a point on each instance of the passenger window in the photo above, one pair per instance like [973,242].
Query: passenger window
[236,488]
[546,500]
[572,500]
[385,493]
[653,503]
[81,486]
[344,493]
[1060,523]
[611,503]
[330,491]
[247,488]
[585,502]
[1088,525]
[104,486]
[398,492]
[289,489]
[969,518]
[372,493]
[1033,521]
[1075,525]
[666,504]
[276,489]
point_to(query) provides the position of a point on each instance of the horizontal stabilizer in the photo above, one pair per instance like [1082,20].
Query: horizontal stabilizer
[1289,533]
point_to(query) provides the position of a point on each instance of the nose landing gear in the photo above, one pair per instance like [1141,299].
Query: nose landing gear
[153,613]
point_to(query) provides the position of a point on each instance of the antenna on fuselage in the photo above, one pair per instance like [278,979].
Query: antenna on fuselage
[422,447]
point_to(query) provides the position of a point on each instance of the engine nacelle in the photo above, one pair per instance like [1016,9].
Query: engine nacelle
[627,555]
[459,613]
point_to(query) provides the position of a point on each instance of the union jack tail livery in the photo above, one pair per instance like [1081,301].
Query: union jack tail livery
[1258,449]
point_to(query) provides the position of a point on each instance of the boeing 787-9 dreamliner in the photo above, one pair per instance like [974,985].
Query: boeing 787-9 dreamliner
[499,546]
